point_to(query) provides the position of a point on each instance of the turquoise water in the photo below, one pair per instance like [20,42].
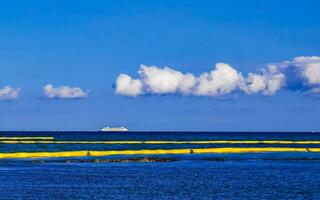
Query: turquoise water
[203,176]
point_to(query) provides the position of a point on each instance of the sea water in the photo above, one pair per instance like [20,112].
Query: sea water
[193,176]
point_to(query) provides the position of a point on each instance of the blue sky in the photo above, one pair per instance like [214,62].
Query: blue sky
[89,44]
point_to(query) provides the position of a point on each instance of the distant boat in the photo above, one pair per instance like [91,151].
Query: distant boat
[114,129]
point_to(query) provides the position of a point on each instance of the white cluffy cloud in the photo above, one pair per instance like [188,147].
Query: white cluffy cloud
[63,92]
[127,86]
[224,79]
[165,80]
[155,80]
[308,67]
[9,93]
[268,82]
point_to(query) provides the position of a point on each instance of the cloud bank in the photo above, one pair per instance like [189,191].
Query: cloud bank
[9,93]
[63,92]
[301,73]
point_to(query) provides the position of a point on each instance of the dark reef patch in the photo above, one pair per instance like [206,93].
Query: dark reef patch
[98,160]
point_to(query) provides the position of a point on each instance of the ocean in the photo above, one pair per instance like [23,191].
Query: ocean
[280,166]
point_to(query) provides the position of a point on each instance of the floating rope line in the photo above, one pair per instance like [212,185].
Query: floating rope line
[26,138]
[153,152]
[42,141]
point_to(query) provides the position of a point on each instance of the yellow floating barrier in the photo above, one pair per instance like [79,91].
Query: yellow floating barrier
[42,141]
[152,152]
[26,138]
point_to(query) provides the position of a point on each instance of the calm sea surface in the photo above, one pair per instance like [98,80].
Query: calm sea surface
[196,176]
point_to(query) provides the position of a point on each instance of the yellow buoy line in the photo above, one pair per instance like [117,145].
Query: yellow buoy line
[152,152]
[43,141]
[26,138]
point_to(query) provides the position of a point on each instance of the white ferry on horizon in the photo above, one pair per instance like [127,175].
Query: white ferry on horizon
[114,129]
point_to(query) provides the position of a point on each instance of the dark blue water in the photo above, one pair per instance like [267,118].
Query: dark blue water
[174,180]
[234,176]
[170,135]
[144,136]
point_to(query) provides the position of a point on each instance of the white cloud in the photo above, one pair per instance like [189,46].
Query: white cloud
[160,80]
[127,86]
[268,82]
[301,73]
[309,68]
[255,83]
[222,80]
[9,93]
[154,80]
[187,84]
[63,92]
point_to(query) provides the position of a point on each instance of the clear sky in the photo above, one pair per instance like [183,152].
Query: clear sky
[49,48]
